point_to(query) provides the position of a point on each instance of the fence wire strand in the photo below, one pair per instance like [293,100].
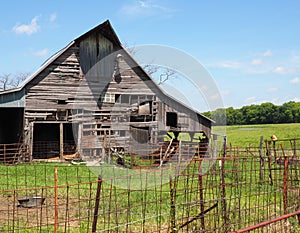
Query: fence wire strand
[246,188]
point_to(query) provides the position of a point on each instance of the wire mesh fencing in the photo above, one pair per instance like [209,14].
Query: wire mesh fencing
[242,189]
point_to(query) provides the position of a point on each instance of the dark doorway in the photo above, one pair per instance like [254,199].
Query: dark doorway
[46,140]
[11,125]
[171,119]
[69,138]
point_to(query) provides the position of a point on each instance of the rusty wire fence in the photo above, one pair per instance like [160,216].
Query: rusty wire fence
[244,189]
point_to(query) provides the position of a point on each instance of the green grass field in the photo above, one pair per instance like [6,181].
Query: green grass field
[121,206]
[249,135]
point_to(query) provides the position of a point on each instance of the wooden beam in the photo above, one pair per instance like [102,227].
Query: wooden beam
[61,140]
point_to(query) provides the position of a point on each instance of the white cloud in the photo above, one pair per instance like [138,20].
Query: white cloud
[256,62]
[28,29]
[295,80]
[145,7]
[53,17]
[41,53]
[283,70]
[279,70]
[268,53]
[272,90]
[250,99]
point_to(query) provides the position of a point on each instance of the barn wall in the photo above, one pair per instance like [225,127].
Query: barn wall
[119,122]
[109,98]
[50,98]
[116,121]
[56,86]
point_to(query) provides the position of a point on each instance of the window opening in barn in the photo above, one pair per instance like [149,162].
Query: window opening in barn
[62,114]
[171,119]
[125,99]
[122,133]
[134,99]
[108,98]
[62,102]
[145,108]
[117,98]
[142,112]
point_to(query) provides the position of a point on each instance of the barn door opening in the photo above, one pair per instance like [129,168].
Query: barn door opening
[52,140]
[69,145]
[11,125]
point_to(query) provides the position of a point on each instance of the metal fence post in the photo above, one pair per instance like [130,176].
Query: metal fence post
[223,190]
[172,206]
[285,184]
[200,180]
[94,226]
[55,200]
[261,159]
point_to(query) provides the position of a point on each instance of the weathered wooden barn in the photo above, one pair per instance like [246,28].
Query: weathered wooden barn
[89,97]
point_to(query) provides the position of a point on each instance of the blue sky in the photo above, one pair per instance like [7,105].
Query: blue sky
[251,48]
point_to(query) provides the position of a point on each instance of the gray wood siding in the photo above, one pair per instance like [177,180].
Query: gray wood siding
[99,89]
[56,84]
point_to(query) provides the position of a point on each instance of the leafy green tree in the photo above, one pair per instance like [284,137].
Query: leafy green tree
[265,113]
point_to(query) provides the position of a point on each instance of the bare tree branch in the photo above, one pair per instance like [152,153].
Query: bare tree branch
[150,69]
[5,82]
[166,75]
[19,78]
[158,73]
[8,81]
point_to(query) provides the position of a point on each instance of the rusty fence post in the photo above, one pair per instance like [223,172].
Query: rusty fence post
[99,183]
[223,188]
[261,159]
[14,212]
[275,151]
[269,161]
[200,180]
[285,184]
[223,196]
[295,147]
[172,206]
[55,200]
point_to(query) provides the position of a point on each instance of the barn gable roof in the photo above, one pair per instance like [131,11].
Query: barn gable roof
[107,31]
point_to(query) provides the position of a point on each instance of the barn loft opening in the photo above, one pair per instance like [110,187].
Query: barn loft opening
[171,119]
[11,125]
[50,140]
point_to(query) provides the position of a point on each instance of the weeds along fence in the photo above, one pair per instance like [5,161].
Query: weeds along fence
[241,190]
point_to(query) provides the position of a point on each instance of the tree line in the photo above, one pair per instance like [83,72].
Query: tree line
[265,113]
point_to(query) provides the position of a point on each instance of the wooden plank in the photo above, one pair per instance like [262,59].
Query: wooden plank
[61,141]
